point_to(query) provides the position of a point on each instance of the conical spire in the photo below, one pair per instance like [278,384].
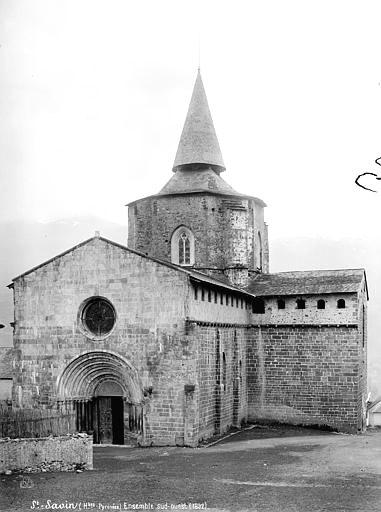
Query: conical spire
[198,142]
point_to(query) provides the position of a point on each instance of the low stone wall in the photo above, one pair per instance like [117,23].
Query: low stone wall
[65,453]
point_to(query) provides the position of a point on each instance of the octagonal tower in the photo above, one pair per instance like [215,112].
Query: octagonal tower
[197,219]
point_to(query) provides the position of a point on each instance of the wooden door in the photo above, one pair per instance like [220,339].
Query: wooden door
[105,430]
[108,420]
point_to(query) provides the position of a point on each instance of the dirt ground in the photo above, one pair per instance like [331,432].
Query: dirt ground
[277,469]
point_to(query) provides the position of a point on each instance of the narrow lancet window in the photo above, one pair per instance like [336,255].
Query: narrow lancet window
[182,246]
[184,249]
[260,251]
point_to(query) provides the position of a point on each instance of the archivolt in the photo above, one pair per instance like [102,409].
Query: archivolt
[86,372]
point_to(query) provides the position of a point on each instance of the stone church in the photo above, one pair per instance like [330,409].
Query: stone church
[184,332]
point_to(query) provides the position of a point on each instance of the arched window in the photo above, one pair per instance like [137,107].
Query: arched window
[182,246]
[300,304]
[184,249]
[281,304]
[341,303]
[321,304]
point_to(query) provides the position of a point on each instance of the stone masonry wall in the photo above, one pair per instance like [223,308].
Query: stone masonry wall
[207,359]
[311,314]
[64,453]
[304,375]
[219,305]
[221,370]
[217,325]
[362,355]
[149,300]
[303,366]
[225,229]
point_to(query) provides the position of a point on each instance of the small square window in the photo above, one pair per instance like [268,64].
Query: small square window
[259,306]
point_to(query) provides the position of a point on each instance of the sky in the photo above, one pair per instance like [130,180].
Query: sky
[93,96]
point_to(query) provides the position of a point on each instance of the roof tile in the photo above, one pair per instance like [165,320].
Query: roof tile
[314,282]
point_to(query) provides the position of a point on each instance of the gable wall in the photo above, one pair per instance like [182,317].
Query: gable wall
[149,300]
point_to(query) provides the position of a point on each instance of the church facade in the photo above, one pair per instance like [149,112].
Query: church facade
[184,332]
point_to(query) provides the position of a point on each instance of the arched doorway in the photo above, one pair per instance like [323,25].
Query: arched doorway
[108,413]
[105,392]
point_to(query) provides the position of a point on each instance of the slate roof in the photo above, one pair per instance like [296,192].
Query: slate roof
[195,181]
[190,190]
[6,361]
[198,162]
[198,142]
[200,181]
[311,282]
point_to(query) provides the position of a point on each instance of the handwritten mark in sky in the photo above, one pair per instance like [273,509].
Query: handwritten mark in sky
[357,180]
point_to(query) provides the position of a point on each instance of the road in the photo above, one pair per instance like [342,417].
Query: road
[259,470]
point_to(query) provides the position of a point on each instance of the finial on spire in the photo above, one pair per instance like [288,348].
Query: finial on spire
[199,53]
[198,142]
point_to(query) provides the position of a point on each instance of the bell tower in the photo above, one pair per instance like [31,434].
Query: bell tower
[198,220]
